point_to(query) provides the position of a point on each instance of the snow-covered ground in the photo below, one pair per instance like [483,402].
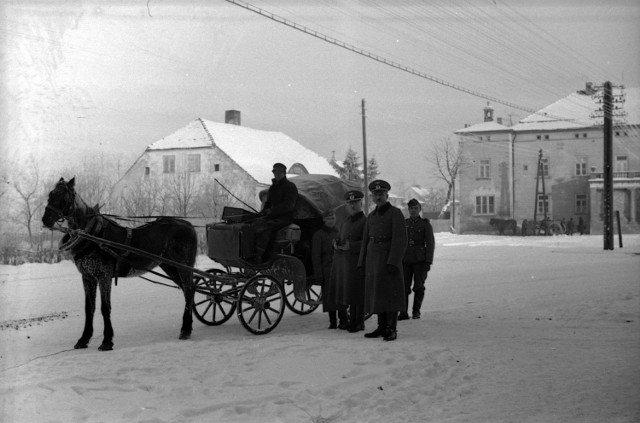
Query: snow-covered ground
[514,329]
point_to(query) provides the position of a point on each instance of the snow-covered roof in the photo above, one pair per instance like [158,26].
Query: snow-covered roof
[573,111]
[490,126]
[253,150]
[576,111]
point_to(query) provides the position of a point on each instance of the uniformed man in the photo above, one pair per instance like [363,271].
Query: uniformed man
[385,241]
[349,282]
[277,212]
[417,259]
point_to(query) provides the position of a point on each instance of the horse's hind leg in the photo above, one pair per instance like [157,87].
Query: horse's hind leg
[105,308]
[90,286]
[184,280]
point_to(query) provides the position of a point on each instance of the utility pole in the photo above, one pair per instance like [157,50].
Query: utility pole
[607,198]
[539,178]
[364,160]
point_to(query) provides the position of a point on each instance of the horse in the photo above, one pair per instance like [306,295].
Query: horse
[171,239]
[503,224]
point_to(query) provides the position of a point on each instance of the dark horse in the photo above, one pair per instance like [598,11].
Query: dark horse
[171,239]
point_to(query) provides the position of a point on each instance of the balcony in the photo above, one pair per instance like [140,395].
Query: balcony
[617,175]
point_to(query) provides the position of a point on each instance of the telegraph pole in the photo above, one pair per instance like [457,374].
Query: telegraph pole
[364,160]
[607,198]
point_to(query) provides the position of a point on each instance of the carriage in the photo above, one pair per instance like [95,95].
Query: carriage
[103,250]
[259,293]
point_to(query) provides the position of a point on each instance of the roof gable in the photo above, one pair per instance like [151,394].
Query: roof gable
[253,150]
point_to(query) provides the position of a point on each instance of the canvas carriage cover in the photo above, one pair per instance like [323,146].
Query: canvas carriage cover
[321,193]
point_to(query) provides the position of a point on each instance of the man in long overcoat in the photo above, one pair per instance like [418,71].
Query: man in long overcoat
[417,259]
[348,281]
[322,260]
[381,255]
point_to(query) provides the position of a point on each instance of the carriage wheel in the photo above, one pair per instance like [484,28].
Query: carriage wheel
[261,304]
[210,304]
[555,229]
[314,293]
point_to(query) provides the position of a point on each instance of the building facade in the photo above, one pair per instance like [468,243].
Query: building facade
[550,164]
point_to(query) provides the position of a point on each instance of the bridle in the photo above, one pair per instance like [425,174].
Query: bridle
[69,208]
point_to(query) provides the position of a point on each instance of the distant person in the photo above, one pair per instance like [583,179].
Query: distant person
[322,261]
[525,227]
[581,226]
[570,227]
[418,258]
[349,282]
[385,240]
[276,213]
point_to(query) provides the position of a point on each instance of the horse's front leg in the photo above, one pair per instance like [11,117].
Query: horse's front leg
[105,308]
[188,289]
[90,286]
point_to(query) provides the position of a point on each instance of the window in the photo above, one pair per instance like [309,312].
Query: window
[525,167]
[216,167]
[581,166]
[581,203]
[484,169]
[194,162]
[543,204]
[538,137]
[485,204]
[617,133]
[577,135]
[488,137]
[546,137]
[169,164]
[545,168]
[584,135]
[622,165]
[147,171]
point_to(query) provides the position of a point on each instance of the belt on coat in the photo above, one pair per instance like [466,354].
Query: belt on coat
[380,239]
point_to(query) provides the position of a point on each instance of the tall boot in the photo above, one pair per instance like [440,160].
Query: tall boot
[343,318]
[404,315]
[391,332]
[356,318]
[333,321]
[417,304]
[381,329]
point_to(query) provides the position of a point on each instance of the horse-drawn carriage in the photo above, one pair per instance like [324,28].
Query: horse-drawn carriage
[258,293]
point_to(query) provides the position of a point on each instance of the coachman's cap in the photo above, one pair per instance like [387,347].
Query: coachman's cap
[379,185]
[413,202]
[353,195]
[280,167]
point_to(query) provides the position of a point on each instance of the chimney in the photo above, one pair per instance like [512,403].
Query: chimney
[232,117]
[488,113]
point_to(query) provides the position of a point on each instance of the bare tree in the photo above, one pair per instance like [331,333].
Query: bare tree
[183,188]
[448,160]
[29,187]
[146,198]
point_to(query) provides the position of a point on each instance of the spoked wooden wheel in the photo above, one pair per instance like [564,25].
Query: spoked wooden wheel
[313,294]
[261,304]
[210,304]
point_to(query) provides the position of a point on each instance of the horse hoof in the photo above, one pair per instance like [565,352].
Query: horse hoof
[80,345]
[184,335]
[106,346]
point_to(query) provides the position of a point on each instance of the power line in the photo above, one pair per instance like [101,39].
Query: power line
[379,59]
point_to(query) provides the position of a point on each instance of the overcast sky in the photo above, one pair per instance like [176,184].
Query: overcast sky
[117,76]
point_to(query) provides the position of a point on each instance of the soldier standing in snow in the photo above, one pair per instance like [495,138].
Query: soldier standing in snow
[417,259]
[322,260]
[384,243]
[349,282]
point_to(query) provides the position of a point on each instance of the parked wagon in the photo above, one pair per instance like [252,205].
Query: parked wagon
[258,293]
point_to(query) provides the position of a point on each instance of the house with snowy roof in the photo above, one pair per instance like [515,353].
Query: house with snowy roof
[207,165]
[501,177]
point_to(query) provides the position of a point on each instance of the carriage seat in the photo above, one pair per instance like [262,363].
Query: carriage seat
[288,235]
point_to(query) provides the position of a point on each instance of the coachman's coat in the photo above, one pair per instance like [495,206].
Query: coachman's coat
[386,241]
[348,281]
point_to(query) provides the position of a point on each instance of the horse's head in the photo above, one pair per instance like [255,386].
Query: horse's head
[61,203]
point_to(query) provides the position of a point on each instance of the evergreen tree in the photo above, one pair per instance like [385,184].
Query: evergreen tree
[352,166]
[372,169]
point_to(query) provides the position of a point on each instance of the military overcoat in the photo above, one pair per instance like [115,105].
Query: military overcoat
[385,242]
[348,281]
[422,243]
[322,259]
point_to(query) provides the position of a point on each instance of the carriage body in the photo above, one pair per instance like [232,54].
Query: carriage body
[286,279]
